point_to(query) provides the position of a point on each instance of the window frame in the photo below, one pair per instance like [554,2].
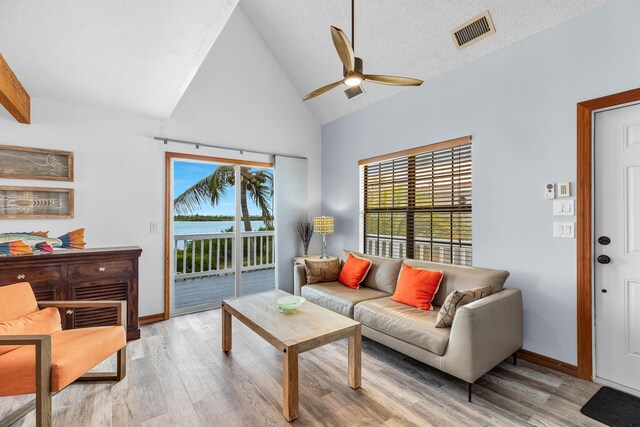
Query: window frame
[413,171]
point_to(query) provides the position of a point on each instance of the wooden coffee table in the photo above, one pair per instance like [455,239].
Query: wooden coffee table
[310,327]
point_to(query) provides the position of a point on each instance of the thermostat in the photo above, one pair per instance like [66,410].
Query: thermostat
[564,190]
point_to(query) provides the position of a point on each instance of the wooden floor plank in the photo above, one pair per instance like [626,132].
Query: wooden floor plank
[179,376]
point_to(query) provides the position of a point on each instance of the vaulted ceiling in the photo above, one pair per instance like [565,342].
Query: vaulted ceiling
[406,38]
[134,55]
[141,55]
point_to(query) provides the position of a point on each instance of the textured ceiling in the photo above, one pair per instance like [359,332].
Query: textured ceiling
[136,55]
[407,38]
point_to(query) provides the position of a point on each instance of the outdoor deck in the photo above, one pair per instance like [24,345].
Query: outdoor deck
[212,290]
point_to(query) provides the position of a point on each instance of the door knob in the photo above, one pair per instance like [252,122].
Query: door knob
[604,240]
[604,291]
[604,259]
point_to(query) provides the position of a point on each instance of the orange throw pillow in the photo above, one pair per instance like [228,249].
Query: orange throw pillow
[354,271]
[41,322]
[417,286]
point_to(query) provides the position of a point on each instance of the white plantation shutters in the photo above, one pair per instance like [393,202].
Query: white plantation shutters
[417,203]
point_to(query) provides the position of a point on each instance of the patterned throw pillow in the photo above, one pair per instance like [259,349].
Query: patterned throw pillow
[457,299]
[322,271]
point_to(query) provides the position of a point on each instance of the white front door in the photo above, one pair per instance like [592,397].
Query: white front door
[617,247]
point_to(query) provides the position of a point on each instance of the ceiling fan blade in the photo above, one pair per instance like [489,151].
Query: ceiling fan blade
[343,46]
[322,90]
[392,80]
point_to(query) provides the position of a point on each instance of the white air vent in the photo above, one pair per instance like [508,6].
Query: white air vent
[473,30]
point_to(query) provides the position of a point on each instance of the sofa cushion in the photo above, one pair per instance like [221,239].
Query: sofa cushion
[354,270]
[404,322]
[339,298]
[457,299]
[458,278]
[318,271]
[16,301]
[417,286]
[383,273]
[41,322]
[73,353]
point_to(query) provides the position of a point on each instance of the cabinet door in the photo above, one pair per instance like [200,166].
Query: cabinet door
[48,292]
[51,292]
[96,290]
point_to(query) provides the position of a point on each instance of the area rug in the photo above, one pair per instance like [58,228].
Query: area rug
[613,408]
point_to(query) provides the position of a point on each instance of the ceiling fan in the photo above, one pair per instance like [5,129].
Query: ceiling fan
[352,72]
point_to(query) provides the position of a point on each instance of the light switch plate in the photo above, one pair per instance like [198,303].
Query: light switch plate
[564,207]
[153,227]
[565,230]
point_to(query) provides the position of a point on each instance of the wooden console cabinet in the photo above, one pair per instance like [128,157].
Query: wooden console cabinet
[88,274]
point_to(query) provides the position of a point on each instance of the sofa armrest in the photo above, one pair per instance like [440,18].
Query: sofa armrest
[483,334]
[120,306]
[299,278]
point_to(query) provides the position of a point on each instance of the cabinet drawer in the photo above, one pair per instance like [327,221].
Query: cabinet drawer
[96,270]
[30,274]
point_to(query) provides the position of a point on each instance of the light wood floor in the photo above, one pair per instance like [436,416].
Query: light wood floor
[178,376]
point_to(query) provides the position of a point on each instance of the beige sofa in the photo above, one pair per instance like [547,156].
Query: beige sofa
[483,334]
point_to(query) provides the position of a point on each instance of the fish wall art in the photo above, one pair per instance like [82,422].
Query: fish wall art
[24,243]
[35,163]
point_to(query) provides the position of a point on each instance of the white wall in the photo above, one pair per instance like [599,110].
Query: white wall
[241,97]
[119,175]
[520,106]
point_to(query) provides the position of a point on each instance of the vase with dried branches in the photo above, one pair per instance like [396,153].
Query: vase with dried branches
[305,230]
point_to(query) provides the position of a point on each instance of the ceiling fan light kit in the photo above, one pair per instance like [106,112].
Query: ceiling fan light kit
[352,92]
[353,80]
[352,70]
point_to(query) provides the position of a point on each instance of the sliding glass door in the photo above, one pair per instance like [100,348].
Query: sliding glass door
[222,233]
[256,214]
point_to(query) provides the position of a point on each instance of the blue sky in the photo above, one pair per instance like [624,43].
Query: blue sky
[187,173]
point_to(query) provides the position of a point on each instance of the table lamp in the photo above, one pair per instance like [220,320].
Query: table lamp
[323,225]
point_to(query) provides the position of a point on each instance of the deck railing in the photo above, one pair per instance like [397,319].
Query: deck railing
[201,255]
[424,251]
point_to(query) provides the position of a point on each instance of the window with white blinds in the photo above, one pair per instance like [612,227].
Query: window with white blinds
[417,203]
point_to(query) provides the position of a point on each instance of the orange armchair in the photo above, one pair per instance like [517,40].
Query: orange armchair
[60,357]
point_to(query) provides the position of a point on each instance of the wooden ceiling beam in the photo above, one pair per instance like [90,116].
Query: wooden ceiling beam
[12,94]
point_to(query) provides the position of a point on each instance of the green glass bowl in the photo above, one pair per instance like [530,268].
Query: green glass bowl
[289,303]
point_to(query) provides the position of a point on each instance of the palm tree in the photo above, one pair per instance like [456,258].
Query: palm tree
[257,182]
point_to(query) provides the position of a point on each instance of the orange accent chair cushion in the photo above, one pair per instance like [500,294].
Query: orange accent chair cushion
[74,352]
[42,322]
[417,286]
[16,301]
[354,271]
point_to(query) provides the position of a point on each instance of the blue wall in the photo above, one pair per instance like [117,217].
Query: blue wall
[519,104]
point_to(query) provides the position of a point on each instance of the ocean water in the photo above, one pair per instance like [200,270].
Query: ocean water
[206,227]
